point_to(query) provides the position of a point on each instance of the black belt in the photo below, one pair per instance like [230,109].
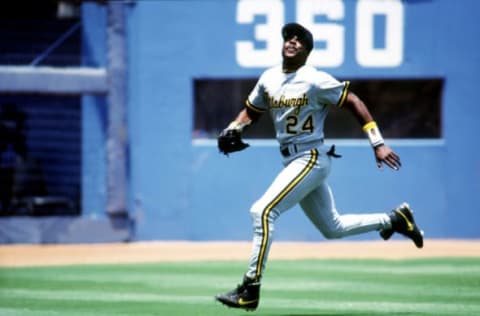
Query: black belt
[287,153]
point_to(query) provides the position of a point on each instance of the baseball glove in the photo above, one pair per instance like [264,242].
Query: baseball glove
[230,140]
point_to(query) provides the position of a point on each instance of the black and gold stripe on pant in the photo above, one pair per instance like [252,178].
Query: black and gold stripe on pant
[275,201]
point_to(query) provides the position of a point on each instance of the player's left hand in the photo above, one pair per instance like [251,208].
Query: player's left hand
[383,154]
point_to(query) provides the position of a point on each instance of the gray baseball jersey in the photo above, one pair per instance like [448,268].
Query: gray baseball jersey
[298,102]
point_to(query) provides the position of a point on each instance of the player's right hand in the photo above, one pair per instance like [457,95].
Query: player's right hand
[230,140]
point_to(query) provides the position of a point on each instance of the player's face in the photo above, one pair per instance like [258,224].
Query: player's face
[294,49]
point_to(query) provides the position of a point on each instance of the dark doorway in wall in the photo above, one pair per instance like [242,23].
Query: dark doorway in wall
[404,108]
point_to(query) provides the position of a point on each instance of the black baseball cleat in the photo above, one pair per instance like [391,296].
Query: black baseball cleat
[403,223]
[386,233]
[245,296]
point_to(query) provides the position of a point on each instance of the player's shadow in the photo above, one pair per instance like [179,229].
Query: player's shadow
[321,314]
[345,314]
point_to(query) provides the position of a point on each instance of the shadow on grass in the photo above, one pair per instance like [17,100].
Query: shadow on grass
[345,314]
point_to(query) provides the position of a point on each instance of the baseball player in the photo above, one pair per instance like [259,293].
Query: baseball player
[298,97]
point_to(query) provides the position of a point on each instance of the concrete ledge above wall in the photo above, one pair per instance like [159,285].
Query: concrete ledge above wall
[54,80]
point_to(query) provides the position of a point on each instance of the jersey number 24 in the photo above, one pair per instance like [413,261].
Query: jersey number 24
[293,125]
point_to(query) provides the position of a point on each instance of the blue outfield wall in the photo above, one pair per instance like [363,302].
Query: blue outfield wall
[184,189]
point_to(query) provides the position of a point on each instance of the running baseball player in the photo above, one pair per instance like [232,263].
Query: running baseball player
[298,97]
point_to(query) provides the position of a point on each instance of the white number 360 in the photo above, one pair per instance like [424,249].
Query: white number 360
[332,33]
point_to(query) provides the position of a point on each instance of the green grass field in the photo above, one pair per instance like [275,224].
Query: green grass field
[295,288]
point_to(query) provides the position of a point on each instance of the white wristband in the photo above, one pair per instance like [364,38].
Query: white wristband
[237,125]
[373,133]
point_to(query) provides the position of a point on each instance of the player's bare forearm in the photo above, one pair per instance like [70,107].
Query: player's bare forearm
[383,153]
[358,108]
[243,117]
[248,114]
[242,120]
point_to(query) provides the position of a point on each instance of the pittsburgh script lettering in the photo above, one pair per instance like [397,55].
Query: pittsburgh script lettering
[285,102]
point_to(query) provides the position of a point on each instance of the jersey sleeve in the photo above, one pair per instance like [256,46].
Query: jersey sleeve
[256,101]
[330,91]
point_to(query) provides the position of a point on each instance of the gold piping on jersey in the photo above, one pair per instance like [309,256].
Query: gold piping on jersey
[275,201]
[344,94]
[253,107]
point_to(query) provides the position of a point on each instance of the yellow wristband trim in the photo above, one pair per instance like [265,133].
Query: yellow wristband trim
[369,125]
[373,133]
